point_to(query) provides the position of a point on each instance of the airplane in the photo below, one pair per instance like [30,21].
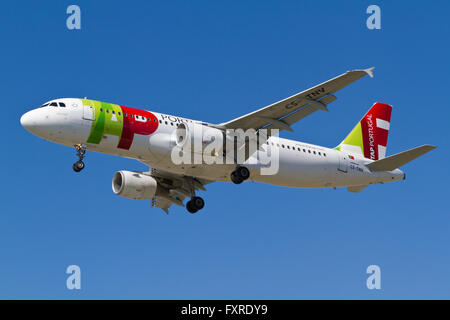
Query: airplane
[150,137]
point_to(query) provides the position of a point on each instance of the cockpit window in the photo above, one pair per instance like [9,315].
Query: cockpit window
[53,104]
[44,105]
[62,104]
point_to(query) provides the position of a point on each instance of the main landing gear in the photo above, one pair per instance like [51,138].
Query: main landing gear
[195,204]
[239,175]
[79,165]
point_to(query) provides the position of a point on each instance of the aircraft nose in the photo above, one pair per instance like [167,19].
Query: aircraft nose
[33,122]
[26,120]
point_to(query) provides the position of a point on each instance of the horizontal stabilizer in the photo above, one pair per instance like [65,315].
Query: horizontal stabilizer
[399,159]
[356,189]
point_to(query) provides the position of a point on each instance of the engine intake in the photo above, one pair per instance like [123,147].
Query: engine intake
[134,185]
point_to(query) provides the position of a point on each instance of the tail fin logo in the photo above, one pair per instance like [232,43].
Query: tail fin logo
[375,130]
[369,137]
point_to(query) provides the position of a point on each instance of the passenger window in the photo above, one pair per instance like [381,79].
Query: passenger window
[324,154]
[119,113]
[314,152]
[113,112]
[299,149]
[101,109]
[304,150]
[309,151]
[319,154]
[124,114]
[160,121]
[287,147]
[165,122]
[282,145]
[107,110]
[62,104]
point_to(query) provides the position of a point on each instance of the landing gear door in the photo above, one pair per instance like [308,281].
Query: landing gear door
[343,162]
[88,111]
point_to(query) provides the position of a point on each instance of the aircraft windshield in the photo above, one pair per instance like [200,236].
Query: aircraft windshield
[53,104]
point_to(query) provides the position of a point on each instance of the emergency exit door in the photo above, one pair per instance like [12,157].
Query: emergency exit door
[88,112]
[343,162]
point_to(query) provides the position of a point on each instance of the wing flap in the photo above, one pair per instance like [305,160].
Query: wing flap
[304,112]
[162,203]
[356,189]
[174,188]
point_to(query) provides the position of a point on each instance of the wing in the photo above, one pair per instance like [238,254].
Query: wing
[174,188]
[284,113]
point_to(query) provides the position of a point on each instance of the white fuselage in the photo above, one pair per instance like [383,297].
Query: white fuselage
[300,164]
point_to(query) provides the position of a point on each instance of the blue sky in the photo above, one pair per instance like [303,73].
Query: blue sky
[216,60]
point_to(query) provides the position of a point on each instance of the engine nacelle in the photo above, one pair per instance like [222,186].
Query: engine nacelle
[195,137]
[134,185]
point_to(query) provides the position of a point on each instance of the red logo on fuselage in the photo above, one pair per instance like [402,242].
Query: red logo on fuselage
[136,121]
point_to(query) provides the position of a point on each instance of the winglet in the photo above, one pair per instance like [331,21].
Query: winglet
[369,71]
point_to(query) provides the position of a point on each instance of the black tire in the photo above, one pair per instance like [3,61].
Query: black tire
[198,203]
[75,168]
[243,173]
[235,178]
[78,166]
[190,208]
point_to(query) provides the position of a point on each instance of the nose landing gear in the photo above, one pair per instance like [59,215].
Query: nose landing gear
[195,204]
[239,175]
[81,151]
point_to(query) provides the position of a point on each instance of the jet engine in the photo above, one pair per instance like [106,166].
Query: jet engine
[134,185]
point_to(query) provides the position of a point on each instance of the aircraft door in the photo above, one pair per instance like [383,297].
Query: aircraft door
[343,162]
[88,111]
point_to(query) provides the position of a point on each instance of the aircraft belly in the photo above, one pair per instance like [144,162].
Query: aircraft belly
[298,170]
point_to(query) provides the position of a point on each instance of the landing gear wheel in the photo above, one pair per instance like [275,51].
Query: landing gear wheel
[190,207]
[235,178]
[81,151]
[198,202]
[243,172]
[195,204]
[239,175]
[78,166]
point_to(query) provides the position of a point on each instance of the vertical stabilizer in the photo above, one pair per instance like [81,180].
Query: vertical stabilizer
[369,137]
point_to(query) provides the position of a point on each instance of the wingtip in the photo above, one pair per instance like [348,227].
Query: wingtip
[369,71]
